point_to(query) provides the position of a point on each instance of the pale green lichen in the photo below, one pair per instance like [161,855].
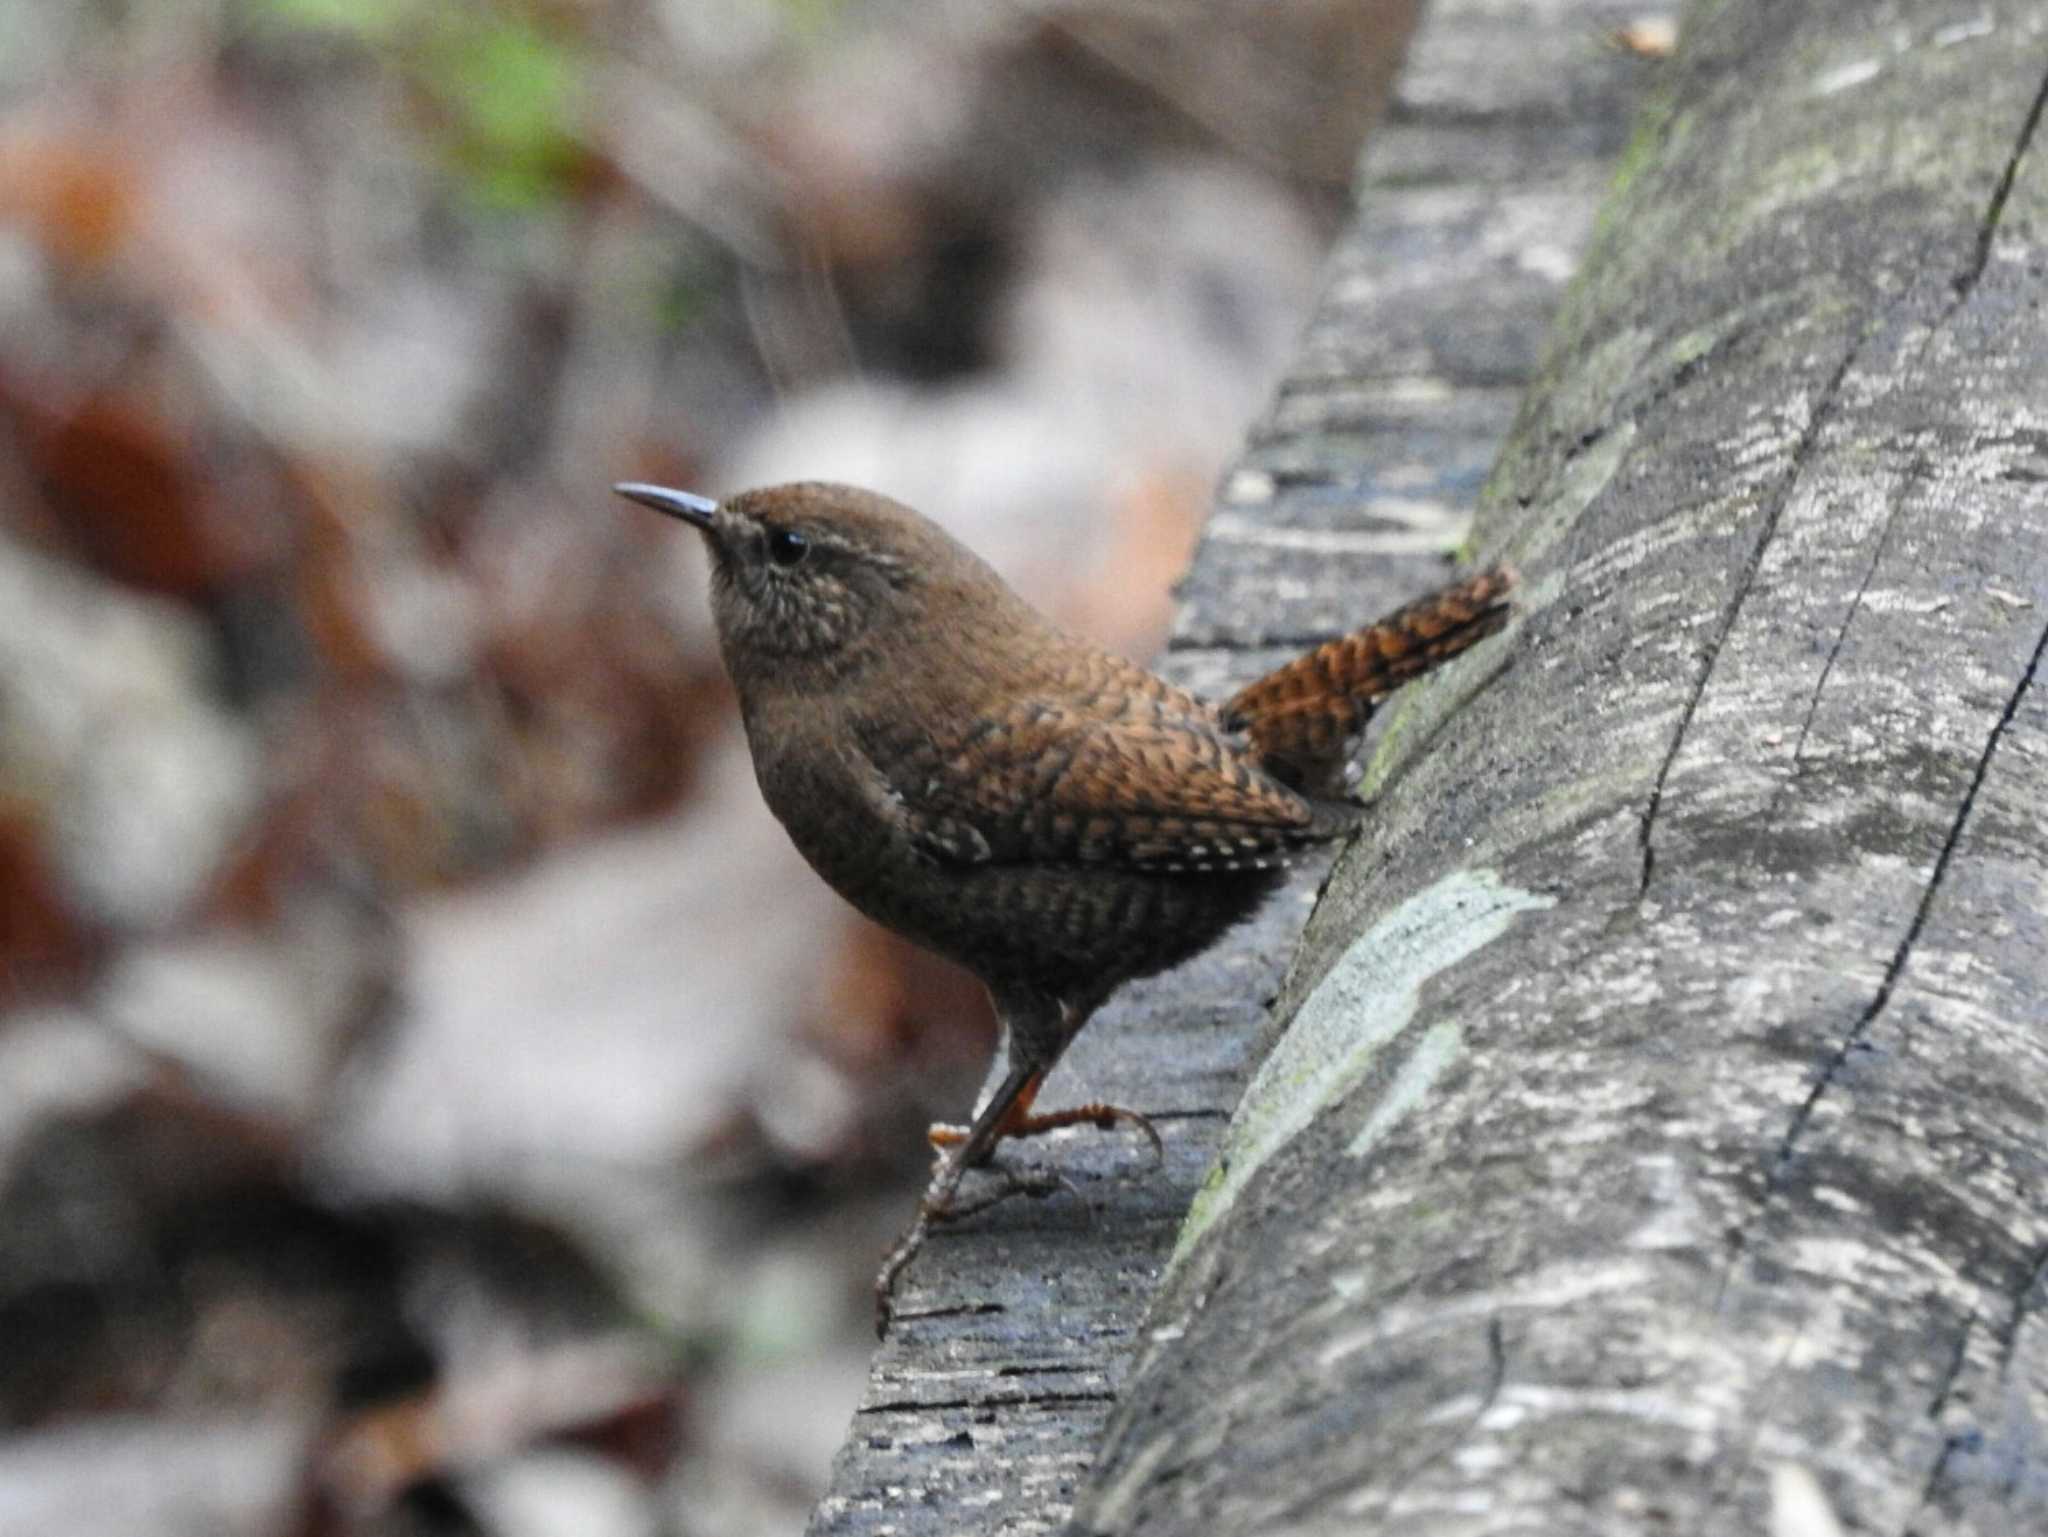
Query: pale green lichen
[1649,141]
[1365,1001]
[1696,343]
[1438,1048]
[1387,752]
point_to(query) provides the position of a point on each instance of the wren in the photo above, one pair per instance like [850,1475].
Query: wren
[1052,817]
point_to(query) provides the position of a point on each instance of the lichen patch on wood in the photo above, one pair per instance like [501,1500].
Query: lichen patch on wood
[1361,1008]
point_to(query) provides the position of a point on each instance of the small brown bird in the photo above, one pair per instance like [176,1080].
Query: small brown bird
[1056,819]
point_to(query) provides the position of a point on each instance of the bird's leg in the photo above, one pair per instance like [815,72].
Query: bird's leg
[936,1205]
[942,1134]
[1019,1121]
[1036,1030]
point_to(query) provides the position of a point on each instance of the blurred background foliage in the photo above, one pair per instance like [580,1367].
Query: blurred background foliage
[432,1095]
[500,89]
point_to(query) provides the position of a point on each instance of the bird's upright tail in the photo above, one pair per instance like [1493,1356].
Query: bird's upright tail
[1302,718]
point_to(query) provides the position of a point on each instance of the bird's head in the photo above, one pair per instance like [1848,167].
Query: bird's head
[813,578]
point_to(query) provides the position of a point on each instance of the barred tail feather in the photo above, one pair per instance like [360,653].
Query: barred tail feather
[1301,718]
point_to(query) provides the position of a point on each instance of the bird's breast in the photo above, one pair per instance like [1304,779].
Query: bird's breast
[814,778]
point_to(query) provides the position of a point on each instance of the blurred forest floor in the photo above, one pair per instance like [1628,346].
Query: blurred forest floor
[433,1097]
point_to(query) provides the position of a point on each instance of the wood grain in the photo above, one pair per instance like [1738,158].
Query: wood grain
[1697,1132]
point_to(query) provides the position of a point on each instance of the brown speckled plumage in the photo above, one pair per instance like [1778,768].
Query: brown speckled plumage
[1301,720]
[1054,818]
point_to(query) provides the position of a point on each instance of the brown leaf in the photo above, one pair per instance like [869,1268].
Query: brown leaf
[81,198]
[121,481]
[43,947]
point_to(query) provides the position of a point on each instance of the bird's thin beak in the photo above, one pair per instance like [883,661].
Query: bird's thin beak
[687,505]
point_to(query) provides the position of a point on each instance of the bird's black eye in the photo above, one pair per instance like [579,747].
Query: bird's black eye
[786,546]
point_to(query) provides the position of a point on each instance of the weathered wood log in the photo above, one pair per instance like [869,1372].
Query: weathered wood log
[1661,1112]
[1017,1329]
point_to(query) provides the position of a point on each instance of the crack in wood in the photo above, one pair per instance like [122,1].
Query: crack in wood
[1496,1378]
[928,1406]
[1831,1070]
[1825,404]
[1633,415]
[961,1310]
[1937,1472]
[1827,669]
[2008,1341]
[1945,1389]
[2034,1287]
[1987,229]
[1737,1243]
[1679,377]
[1962,286]
[1936,1476]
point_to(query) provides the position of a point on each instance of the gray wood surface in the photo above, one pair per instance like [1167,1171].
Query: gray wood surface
[1018,1328]
[1658,1139]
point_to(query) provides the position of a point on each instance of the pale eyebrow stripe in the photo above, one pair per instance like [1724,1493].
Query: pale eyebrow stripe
[832,542]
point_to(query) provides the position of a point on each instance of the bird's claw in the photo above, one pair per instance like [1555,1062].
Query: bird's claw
[945,1206]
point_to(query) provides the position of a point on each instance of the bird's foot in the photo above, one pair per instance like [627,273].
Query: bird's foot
[1036,1183]
[942,1203]
[1101,1116]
